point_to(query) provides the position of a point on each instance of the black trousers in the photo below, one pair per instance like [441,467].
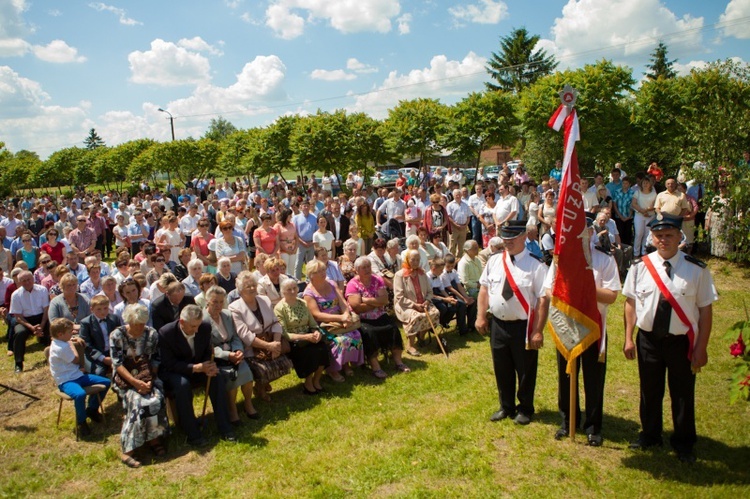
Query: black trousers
[21,334]
[594,373]
[625,228]
[512,361]
[660,355]
[182,388]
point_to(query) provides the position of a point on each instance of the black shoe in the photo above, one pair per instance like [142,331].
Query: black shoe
[641,444]
[686,457]
[252,415]
[522,419]
[229,437]
[561,433]
[198,442]
[84,430]
[19,368]
[595,440]
[499,415]
[94,415]
[236,423]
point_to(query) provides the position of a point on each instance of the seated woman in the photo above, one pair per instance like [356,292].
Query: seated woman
[346,261]
[413,292]
[205,282]
[180,270]
[333,272]
[229,352]
[71,304]
[109,289]
[327,305]
[270,284]
[308,350]
[260,333]
[436,248]
[130,291]
[414,243]
[93,285]
[158,268]
[367,296]
[224,275]
[133,348]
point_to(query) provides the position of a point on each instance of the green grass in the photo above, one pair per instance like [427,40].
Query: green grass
[423,434]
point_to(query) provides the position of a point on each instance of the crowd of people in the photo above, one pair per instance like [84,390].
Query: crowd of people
[231,285]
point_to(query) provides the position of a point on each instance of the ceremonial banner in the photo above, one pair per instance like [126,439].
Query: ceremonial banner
[574,321]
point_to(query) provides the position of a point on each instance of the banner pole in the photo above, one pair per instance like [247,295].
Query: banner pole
[573,393]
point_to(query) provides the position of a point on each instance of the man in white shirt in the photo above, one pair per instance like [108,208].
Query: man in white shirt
[507,207]
[188,224]
[477,202]
[28,305]
[458,214]
[394,209]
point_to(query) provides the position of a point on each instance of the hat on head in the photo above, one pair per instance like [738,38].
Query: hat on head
[662,222]
[512,229]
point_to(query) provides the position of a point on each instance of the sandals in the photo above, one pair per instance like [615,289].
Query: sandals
[403,368]
[414,352]
[130,461]
[158,449]
[380,374]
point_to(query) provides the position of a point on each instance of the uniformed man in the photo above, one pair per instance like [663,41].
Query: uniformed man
[669,297]
[512,289]
[593,360]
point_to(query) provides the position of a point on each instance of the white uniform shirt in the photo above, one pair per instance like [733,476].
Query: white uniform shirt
[528,273]
[693,284]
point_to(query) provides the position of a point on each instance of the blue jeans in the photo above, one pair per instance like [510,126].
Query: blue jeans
[476,230]
[75,390]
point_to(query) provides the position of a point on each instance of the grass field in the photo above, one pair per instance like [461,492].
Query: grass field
[422,434]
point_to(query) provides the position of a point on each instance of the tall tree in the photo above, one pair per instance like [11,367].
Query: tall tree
[516,65]
[322,142]
[93,140]
[219,129]
[416,127]
[115,164]
[661,66]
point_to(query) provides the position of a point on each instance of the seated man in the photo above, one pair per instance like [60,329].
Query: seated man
[185,350]
[444,302]
[95,331]
[453,285]
[28,305]
[167,307]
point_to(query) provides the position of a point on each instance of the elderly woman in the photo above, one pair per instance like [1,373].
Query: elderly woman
[393,255]
[346,261]
[109,289]
[180,270]
[134,352]
[130,291]
[333,272]
[229,352]
[270,284]
[205,281]
[70,304]
[413,293]
[261,335]
[414,243]
[225,277]
[308,350]
[93,285]
[327,305]
[367,296]
[231,246]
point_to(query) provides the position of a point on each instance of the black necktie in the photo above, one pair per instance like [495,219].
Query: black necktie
[663,310]
[507,293]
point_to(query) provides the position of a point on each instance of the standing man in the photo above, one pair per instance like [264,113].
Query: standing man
[512,288]
[671,201]
[83,238]
[138,232]
[669,297]
[394,209]
[593,360]
[458,214]
[507,207]
[622,198]
[306,224]
[476,203]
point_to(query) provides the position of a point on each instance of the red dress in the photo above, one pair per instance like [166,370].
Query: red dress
[57,253]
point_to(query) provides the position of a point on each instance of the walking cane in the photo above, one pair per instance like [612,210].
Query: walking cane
[432,325]
[208,385]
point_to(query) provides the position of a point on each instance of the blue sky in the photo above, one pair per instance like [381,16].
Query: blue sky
[68,66]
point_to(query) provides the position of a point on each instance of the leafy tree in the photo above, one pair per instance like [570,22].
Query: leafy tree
[369,143]
[59,169]
[416,126]
[604,116]
[661,66]
[93,141]
[480,121]
[113,166]
[322,142]
[516,65]
[184,159]
[219,129]
[233,149]
[84,169]
[277,145]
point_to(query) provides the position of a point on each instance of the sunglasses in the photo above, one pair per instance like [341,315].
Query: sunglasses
[160,260]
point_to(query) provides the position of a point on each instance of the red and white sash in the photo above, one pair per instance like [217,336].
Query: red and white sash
[666,286]
[530,312]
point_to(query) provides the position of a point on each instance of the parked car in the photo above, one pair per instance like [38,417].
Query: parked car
[492,172]
[387,178]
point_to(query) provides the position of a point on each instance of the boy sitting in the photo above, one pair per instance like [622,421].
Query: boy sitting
[453,286]
[65,363]
[446,304]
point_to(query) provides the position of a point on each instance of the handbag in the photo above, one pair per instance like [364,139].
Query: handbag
[267,335]
[338,328]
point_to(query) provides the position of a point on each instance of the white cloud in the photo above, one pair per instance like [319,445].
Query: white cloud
[621,29]
[684,69]
[167,64]
[198,44]
[404,26]
[285,23]
[353,64]
[14,47]
[345,16]
[232,4]
[120,13]
[59,52]
[54,13]
[444,79]
[733,17]
[13,29]
[486,12]
[333,75]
